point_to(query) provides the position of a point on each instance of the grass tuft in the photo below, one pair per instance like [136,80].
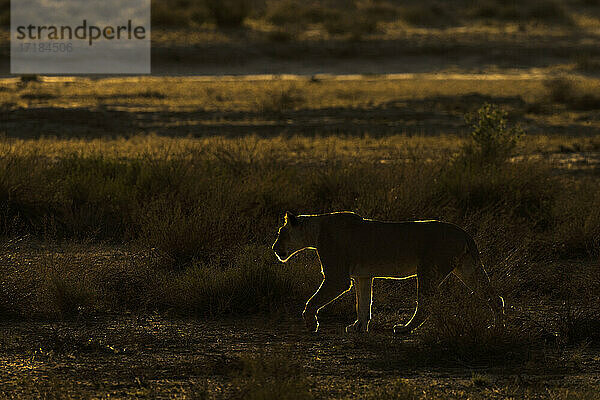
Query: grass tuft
[70,297]
[271,377]
[480,380]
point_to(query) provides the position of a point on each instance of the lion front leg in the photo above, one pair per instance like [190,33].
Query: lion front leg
[364,296]
[329,290]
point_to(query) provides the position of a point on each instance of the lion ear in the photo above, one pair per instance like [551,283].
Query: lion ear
[291,218]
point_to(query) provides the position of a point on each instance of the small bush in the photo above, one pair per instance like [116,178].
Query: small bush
[24,208]
[492,141]
[96,193]
[517,192]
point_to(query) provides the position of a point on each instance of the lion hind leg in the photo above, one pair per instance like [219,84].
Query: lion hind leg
[426,290]
[473,276]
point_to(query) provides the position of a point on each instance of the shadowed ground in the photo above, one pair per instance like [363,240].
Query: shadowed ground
[150,356]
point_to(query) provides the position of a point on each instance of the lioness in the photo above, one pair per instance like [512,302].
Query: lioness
[352,248]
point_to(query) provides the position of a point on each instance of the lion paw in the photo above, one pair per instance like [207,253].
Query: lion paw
[358,327]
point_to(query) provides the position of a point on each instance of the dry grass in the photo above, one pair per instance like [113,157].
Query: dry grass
[378,106]
[209,210]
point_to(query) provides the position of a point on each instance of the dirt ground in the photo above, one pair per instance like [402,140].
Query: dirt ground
[155,357]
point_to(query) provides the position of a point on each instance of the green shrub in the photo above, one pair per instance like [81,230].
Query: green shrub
[491,140]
